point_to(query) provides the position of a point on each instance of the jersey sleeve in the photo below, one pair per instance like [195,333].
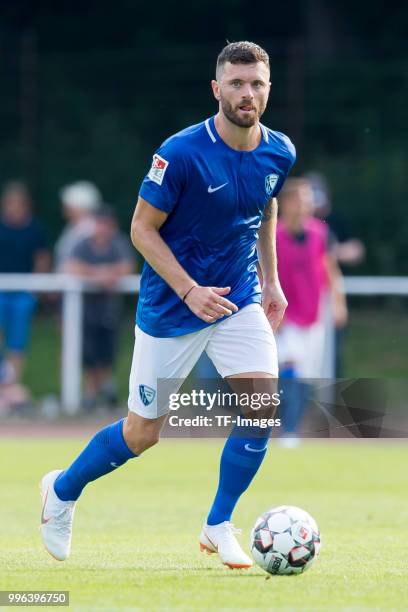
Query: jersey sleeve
[166,178]
[290,158]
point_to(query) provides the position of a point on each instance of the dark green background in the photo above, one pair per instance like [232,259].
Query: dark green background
[89,89]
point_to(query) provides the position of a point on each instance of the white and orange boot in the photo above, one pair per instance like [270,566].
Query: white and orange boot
[221,539]
[56,519]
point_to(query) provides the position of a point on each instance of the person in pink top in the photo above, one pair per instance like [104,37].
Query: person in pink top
[308,274]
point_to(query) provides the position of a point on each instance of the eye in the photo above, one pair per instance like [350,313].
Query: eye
[236,84]
[257,84]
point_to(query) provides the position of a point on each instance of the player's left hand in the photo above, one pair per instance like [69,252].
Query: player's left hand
[274,303]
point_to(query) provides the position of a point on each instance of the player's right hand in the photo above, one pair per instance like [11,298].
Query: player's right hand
[208,303]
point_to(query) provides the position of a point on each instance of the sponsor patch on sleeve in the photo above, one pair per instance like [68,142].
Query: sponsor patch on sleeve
[158,169]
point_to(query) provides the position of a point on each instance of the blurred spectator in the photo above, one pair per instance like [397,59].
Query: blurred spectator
[306,270]
[348,249]
[102,259]
[22,250]
[80,201]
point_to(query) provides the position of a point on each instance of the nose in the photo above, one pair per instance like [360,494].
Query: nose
[248,93]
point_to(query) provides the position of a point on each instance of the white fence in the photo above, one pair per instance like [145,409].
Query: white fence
[72,289]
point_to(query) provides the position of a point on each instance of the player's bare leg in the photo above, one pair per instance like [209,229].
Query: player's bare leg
[109,449]
[140,433]
[242,456]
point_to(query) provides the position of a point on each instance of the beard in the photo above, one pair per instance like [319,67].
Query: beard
[243,121]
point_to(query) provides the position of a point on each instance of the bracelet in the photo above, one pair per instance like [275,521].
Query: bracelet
[189,291]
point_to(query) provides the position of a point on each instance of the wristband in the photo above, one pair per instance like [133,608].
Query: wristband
[189,291]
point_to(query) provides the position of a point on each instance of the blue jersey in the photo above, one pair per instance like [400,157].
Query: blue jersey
[215,197]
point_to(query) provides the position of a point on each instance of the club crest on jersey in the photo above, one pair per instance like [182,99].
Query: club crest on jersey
[158,169]
[147,394]
[270,183]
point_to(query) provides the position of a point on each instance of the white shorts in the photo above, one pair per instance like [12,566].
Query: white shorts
[303,347]
[242,343]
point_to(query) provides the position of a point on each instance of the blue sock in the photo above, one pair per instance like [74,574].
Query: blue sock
[241,458]
[105,452]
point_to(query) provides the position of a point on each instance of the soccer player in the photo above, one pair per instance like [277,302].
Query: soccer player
[205,217]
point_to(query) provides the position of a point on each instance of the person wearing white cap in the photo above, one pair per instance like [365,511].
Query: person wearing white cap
[80,201]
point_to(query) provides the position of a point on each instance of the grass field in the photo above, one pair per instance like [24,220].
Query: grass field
[135,539]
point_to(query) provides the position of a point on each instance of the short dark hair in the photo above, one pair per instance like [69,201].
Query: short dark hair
[242,52]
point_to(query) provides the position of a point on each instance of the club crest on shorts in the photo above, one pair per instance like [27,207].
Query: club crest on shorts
[158,169]
[147,394]
[270,183]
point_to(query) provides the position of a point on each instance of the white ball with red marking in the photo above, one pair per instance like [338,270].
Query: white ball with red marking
[285,540]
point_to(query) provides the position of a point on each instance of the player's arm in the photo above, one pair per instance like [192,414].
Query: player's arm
[207,303]
[335,278]
[273,300]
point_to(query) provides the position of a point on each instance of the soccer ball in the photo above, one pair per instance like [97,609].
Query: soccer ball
[285,540]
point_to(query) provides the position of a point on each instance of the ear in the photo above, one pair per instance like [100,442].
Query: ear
[216,89]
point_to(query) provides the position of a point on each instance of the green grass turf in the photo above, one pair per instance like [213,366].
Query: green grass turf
[135,539]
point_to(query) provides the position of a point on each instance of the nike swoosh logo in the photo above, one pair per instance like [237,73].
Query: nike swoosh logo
[44,520]
[113,464]
[212,543]
[255,450]
[212,189]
